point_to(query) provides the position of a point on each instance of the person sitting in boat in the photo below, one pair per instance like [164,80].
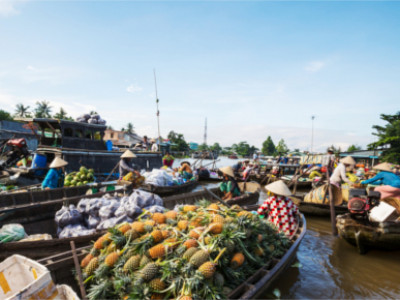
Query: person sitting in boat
[185,170]
[279,208]
[55,176]
[247,171]
[168,160]
[339,174]
[228,186]
[384,177]
[126,165]
[237,167]
[154,146]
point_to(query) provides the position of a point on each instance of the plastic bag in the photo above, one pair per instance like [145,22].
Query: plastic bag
[68,216]
[93,222]
[155,208]
[12,233]
[75,230]
[92,121]
[108,211]
[144,199]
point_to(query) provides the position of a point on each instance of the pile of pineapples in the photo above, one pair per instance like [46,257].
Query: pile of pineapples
[198,251]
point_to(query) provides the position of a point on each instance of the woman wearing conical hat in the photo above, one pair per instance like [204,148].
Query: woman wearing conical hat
[125,164]
[279,209]
[55,176]
[339,174]
[229,186]
[384,177]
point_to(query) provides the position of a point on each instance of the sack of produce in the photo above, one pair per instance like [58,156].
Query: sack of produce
[108,211]
[102,122]
[92,121]
[105,224]
[12,233]
[75,230]
[68,216]
[93,222]
[95,117]
[155,208]
[81,120]
[128,209]
[143,199]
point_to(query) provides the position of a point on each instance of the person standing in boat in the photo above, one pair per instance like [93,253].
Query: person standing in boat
[154,146]
[126,165]
[330,161]
[168,160]
[339,174]
[145,143]
[279,209]
[229,186]
[55,176]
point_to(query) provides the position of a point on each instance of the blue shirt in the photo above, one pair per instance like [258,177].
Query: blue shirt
[384,178]
[52,179]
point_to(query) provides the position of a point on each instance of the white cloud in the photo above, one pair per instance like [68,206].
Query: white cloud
[50,74]
[133,88]
[314,66]
[7,8]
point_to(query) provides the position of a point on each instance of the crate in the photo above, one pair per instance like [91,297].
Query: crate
[383,212]
[23,278]
[65,292]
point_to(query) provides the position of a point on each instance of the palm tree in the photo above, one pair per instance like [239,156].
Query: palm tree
[129,128]
[21,110]
[62,114]
[93,112]
[43,109]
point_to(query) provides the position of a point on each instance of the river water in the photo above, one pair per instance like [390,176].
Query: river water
[330,268]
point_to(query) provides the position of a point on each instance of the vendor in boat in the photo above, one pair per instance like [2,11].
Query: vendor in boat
[55,176]
[185,170]
[126,165]
[279,208]
[384,177]
[228,186]
[339,174]
[330,161]
[168,160]
[145,143]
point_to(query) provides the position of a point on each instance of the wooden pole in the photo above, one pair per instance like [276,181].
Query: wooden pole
[216,197]
[78,270]
[112,171]
[332,205]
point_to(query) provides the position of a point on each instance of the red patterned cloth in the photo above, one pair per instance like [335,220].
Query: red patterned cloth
[281,211]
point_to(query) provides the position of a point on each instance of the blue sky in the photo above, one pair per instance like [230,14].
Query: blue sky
[252,68]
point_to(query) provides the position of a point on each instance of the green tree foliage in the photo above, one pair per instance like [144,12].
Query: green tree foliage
[336,151]
[42,109]
[129,128]
[353,148]
[5,116]
[268,147]
[216,147]
[243,149]
[22,111]
[203,147]
[62,115]
[388,138]
[179,141]
[281,148]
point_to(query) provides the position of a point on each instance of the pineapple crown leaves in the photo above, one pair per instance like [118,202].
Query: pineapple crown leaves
[103,290]
[203,203]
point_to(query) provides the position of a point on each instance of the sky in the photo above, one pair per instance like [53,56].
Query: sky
[253,68]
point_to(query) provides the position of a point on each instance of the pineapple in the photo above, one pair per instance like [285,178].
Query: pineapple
[157,284]
[244,213]
[171,215]
[195,233]
[190,243]
[95,252]
[213,206]
[196,222]
[111,259]
[157,236]
[218,219]
[259,251]
[200,257]
[185,298]
[207,240]
[215,228]
[188,208]
[207,269]
[183,225]
[86,260]
[157,296]
[219,280]
[92,266]
[189,253]
[138,227]
[165,233]
[144,260]
[157,251]
[131,234]
[100,243]
[237,260]
[159,218]
[229,219]
[124,228]
[111,248]
[132,263]
[148,272]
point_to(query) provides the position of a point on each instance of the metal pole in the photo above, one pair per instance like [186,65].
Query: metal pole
[312,133]
[158,112]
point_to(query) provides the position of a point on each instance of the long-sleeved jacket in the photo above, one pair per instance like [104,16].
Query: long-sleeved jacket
[54,179]
[384,178]
[124,168]
[339,174]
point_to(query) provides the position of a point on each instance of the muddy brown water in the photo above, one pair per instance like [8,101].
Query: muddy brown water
[332,269]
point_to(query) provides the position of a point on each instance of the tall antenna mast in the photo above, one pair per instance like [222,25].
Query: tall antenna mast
[205,133]
[312,132]
[158,112]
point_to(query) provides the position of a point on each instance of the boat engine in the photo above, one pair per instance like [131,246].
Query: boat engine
[362,204]
[16,149]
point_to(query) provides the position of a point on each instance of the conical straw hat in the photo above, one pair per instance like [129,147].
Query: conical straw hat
[348,160]
[384,167]
[128,154]
[228,171]
[58,163]
[278,188]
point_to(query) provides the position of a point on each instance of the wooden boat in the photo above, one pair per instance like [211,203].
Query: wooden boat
[320,210]
[365,234]
[60,266]
[169,190]
[300,183]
